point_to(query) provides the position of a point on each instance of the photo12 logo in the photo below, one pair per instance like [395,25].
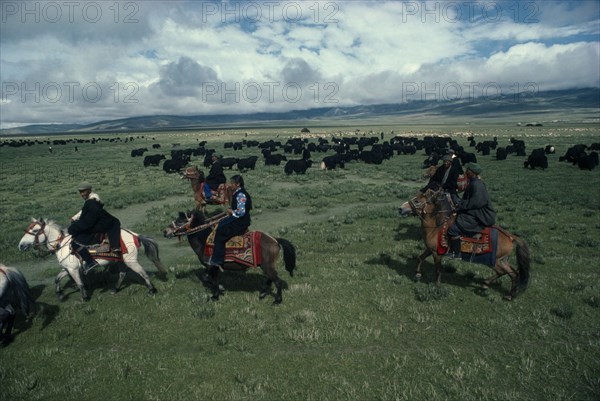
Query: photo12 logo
[69,92]
[471,11]
[450,91]
[68,11]
[269,92]
[317,12]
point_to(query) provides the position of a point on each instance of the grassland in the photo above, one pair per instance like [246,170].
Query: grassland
[353,324]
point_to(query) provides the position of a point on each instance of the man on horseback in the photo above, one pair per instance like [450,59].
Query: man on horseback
[215,177]
[446,177]
[473,213]
[236,223]
[92,220]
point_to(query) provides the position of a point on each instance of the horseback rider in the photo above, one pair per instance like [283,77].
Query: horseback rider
[92,220]
[473,213]
[215,177]
[446,177]
[236,223]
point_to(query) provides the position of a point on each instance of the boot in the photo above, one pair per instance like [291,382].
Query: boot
[88,262]
[454,248]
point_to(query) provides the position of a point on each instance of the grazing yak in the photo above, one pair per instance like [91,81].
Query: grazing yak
[537,158]
[248,163]
[297,166]
[153,160]
[138,152]
[588,162]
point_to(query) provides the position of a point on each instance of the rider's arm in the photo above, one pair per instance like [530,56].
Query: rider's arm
[241,205]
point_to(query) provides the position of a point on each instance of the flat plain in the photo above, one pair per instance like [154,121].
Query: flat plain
[353,325]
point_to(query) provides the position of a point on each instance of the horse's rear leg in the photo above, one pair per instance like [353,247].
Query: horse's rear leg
[265,289]
[272,277]
[137,267]
[503,267]
[122,274]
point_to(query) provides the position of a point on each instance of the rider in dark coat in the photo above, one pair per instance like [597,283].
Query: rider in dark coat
[215,177]
[446,177]
[475,210]
[236,223]
[94,220]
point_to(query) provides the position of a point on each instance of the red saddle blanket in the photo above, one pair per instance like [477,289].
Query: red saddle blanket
[469,245]
[241,249]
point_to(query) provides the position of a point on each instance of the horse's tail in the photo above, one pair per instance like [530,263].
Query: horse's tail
[151,250]
[21,290]
[289,255]
[524,262]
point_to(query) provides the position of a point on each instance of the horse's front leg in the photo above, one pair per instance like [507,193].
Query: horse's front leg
[77,278]
[421,259]
[7,319]
[438,269]
[59,292]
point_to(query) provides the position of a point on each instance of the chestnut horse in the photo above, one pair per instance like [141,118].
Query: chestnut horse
[197,228]
[220,197]
[435,210]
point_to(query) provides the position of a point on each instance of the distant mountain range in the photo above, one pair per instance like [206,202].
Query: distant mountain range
[522,108]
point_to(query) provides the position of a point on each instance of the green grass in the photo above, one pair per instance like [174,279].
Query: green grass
[353,324]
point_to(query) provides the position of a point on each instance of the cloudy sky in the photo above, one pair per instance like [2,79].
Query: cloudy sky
[85,61]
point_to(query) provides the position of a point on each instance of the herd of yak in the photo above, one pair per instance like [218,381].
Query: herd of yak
[297,153]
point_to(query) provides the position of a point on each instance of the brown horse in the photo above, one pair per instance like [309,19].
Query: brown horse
[197,228]
[222,196]
[435,210]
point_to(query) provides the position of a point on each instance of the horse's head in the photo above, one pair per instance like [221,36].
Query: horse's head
[192,173]
[422,203]
[178,226]
[34,235]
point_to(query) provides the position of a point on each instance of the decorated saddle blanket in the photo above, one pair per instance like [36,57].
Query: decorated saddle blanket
[241,249]
[218,197]
[480,250]
[101,249]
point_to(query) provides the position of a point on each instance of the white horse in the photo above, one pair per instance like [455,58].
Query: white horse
[49,234]
[14,293]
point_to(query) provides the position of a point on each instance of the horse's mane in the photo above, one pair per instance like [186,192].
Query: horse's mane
[52,224]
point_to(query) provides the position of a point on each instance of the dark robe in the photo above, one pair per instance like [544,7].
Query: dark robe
[95,220]
[475,211]
[216,176]
[451,183]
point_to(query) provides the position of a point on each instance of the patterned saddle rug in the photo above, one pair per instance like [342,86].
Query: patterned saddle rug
[242,249]
[475,246]
[218,197]
[101,249]
[480,250]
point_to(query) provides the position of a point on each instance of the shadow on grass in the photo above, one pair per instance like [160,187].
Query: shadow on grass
[449,273]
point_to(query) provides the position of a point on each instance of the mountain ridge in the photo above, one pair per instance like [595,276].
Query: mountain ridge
[521,105]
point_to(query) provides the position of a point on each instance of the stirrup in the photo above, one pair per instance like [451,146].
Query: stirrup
[87,267]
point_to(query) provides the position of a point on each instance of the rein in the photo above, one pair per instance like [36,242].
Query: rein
[419,210]
[189,231]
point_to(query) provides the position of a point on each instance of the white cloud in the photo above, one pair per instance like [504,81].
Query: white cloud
[349,52]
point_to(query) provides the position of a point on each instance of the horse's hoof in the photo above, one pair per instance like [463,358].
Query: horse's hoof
[60,296]
[152,291]
[507,298]
[215,297]
[277,301]
[482,292]
[85,299]
[262,295]
[113,291]
[418,277]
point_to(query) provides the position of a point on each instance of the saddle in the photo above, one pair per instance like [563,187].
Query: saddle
[241,249]
[478,244]
[101,248]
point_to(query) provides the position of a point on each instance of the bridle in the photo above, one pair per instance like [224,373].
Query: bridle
[418,207]
[54,245]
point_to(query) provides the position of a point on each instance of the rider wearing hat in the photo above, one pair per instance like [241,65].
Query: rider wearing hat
[446,177]
[474,212]
[92,220]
